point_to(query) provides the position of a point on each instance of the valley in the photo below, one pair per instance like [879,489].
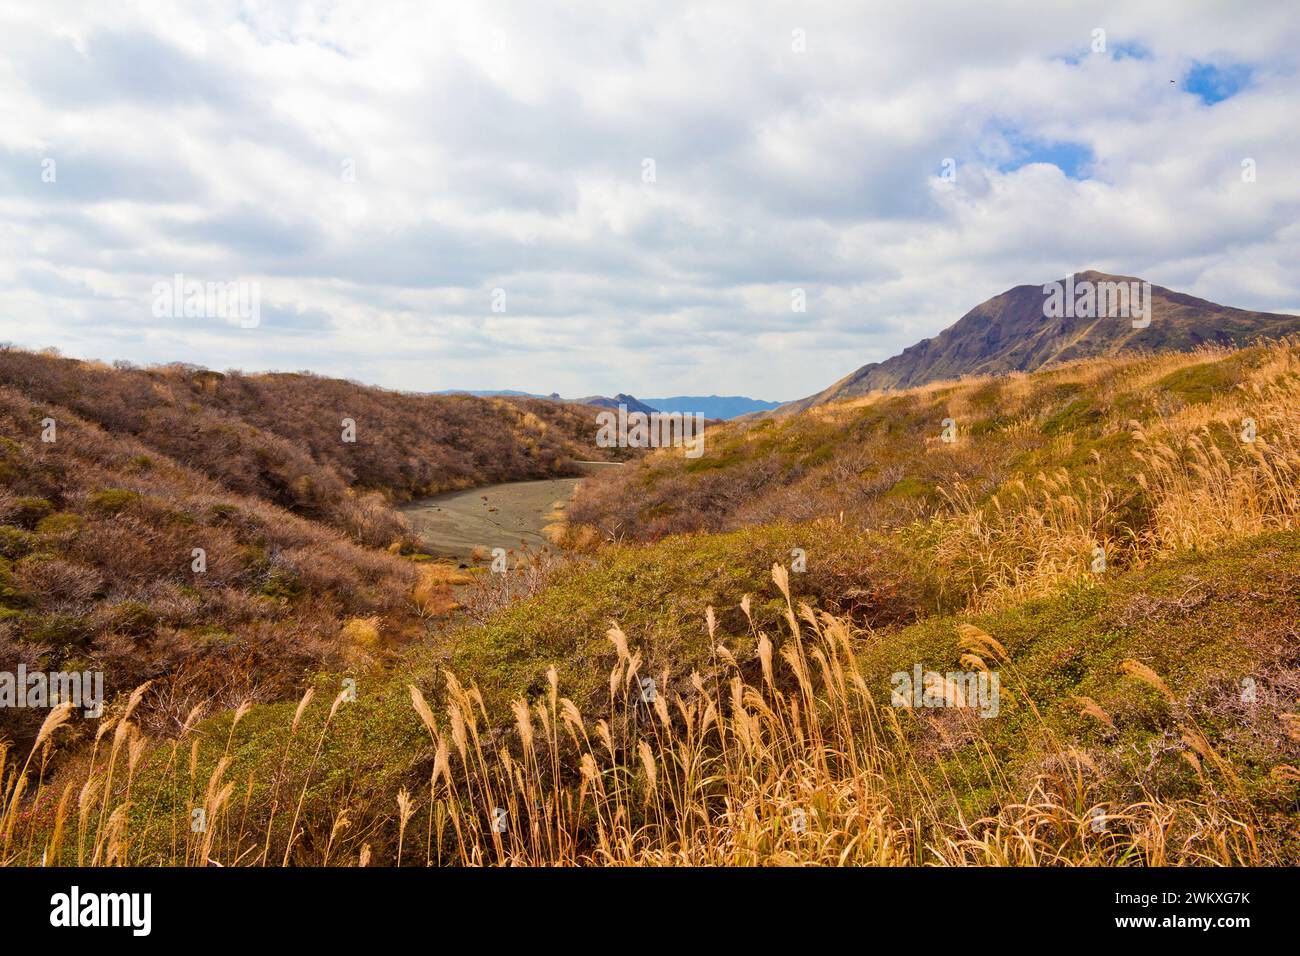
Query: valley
[1112,541]
[610,437]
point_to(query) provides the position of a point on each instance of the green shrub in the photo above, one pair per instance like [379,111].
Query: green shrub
[281,583]
[28,511]
[14,542]
[909,487]
[134,617]
[62,631]
[112,500]
[10,596]
[1079,414]
[59,524]
[987,426]
[1197,384]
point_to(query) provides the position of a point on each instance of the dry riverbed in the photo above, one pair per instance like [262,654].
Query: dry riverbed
[467,524]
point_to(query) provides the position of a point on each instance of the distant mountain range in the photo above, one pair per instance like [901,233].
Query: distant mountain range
[711,406]
[602,401]
[491,393]
[1015,332]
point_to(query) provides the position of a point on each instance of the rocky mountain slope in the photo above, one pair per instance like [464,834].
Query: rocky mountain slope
[1013,332]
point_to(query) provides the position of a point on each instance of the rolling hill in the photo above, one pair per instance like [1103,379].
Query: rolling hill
[115,481]
[281,436]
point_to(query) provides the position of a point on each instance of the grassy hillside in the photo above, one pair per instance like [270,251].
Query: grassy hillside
[1140,456]
[97,571]
[772,590]
[110,478]
[1125,695]
[280,437]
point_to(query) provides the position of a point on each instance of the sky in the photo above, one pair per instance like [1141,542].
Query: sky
[631,197]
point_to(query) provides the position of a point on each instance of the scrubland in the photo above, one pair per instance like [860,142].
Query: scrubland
[278,437]
[305,563]
[1115,539]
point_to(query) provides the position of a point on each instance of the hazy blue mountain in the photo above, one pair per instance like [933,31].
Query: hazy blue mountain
[488,393]
[633,404]
[712,406]
[600,401]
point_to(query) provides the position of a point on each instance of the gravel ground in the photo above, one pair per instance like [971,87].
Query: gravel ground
[494,516]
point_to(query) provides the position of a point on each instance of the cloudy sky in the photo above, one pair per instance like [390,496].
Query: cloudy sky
[625,197]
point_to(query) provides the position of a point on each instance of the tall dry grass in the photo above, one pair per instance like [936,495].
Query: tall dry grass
[1194,483]
[785,758]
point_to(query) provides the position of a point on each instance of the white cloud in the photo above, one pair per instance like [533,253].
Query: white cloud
[501,146]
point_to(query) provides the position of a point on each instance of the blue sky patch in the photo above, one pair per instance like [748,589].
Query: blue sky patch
[1130,50]
[1214,84]
[1073,159]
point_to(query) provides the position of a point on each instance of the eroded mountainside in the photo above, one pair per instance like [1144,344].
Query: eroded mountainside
[1010,333]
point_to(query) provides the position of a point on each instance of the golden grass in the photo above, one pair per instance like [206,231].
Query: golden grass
[1195,482]
[797,763]
[785,757]
[433,594]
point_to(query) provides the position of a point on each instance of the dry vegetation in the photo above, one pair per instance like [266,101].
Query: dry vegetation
[796,764]
[98,528]
[278,436]
[1126,734]
[97,540]
[1141,457]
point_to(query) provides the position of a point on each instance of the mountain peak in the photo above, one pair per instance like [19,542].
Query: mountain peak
[1018,331]
[1096,275]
